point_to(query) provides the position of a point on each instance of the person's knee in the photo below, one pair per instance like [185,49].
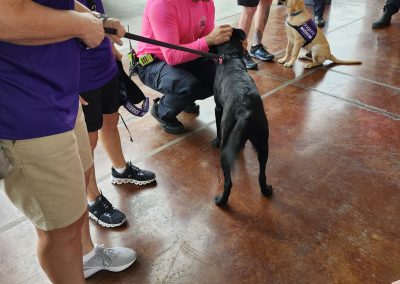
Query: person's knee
[66,235]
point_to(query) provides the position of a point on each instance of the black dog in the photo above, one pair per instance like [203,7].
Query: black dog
[239,114]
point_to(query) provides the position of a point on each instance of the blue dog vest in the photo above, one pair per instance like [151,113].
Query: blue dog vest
[308,30]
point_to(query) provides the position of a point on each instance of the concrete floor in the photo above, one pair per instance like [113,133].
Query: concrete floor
[334,164]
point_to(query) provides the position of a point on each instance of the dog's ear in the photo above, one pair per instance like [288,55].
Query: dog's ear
[239,34]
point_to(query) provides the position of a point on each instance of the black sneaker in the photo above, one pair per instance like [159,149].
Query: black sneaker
[192,108]
[383,21]
[260,52]
[132,174]
[105,214]
[319,21]
[249,62]
[170,125]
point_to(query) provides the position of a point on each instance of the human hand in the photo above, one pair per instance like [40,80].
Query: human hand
[92,30]
[115,24]
[219,35]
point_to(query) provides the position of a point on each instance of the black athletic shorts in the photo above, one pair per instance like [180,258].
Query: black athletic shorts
[248,3]
[104,100]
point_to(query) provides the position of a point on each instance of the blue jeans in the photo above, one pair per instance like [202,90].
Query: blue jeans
[180,85]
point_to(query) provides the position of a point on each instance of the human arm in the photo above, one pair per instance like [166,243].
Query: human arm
[107,22]
[44,25]
[215,35]
[166,25]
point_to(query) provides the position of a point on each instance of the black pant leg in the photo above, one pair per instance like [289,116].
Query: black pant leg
[392,6]
[319,8]
[177,83]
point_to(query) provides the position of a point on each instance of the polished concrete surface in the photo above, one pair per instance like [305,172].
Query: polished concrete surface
[334,164]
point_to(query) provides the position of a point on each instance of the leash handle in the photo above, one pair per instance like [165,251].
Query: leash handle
[113,31]
[110,31]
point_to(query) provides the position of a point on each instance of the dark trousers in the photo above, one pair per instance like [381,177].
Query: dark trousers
[180,85]
[319,8]
[392,6]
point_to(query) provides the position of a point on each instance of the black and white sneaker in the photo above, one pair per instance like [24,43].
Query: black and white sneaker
[104,213]
[259,51]
[249,62]
[132,174]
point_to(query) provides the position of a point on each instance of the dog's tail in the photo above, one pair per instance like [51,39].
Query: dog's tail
[339,61]
[234,142]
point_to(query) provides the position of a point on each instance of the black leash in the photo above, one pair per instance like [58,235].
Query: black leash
[113,31]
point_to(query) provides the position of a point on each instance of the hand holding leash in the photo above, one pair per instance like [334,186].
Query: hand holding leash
[92,30]
[119,30]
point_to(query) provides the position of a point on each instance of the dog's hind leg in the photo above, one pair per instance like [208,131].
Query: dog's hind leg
[230,148]
[216,142]
[261,146]
[226,164]
[306,56]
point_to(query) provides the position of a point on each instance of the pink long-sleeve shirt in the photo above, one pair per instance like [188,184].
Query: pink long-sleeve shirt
[180,22]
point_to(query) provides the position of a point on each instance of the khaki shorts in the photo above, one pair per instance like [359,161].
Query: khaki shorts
[47,180]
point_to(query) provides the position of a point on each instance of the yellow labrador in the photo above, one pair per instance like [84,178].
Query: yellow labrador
[302,32]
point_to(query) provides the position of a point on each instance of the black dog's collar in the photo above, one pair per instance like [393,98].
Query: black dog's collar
[296,13]
[225,57]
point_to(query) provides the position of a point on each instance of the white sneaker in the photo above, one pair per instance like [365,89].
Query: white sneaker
[112,259]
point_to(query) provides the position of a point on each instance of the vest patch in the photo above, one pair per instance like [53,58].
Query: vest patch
[308,30]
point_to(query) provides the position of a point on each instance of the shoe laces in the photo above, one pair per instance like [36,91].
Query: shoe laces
[107,254]
[133,167]
[106,205]
[260,46]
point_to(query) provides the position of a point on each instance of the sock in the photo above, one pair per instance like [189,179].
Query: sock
[120,170]
[89,255]
[91,202]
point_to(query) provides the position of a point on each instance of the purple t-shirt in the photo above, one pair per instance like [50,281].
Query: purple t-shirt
[98,65]
[39,86]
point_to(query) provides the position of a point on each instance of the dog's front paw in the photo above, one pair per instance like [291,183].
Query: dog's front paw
[267,191]
[216,143]
[219,201]
[288,64]
[282,60]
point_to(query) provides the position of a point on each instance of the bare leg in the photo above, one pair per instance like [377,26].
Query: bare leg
[60,253]
[110,139]
[86,239]
[261,20]
[246,18]
[92,191]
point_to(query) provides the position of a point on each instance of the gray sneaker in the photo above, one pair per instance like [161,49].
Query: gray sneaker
[112,259]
